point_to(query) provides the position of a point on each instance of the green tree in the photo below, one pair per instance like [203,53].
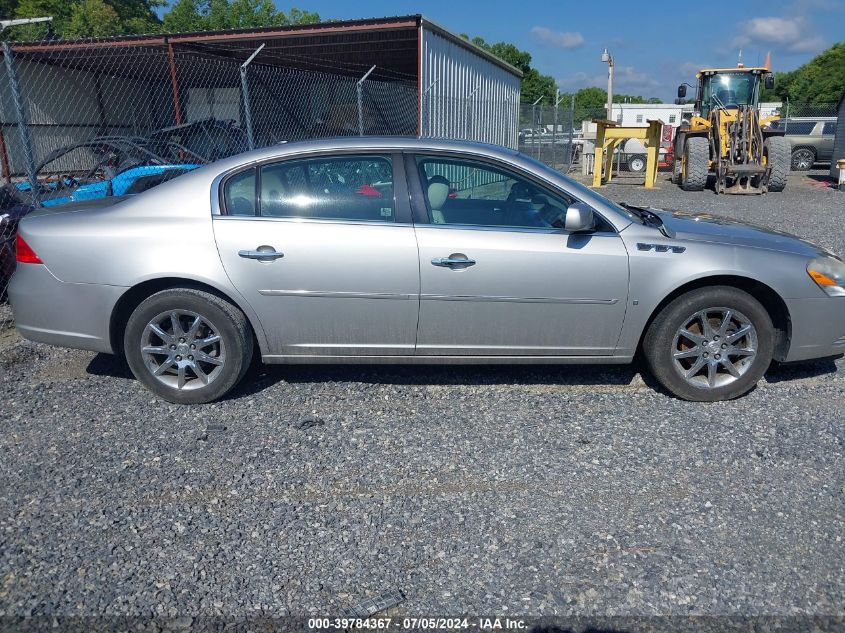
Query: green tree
[211,15]
[92,18]
[534,84]
[7,9]
[821,80]
[85,18]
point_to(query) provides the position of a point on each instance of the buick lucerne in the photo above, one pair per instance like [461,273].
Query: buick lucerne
[397,250]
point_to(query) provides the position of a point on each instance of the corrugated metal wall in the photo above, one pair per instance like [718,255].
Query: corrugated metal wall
[65,106]
[839,140]
[464,95]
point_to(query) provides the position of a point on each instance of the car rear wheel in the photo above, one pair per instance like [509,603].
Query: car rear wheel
[710,344]
[188,346]
[803,159]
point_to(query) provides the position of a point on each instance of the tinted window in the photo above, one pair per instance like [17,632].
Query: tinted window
[829,128]
[798,127]
[239,193]
[465,192]
[343,188]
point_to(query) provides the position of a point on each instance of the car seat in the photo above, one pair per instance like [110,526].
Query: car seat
[438,193]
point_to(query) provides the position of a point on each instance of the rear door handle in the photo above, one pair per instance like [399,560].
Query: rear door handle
[262,254]
[453,261]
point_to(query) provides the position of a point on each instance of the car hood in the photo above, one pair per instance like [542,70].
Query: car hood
[703,227]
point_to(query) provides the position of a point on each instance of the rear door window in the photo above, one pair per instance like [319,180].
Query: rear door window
[799,127]
[239,193]
[357,188]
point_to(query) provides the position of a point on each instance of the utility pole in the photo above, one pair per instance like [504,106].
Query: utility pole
[608,59]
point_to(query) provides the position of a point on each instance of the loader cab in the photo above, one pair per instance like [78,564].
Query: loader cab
[729,88]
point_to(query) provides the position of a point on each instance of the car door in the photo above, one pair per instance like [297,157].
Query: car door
[826,143]
[324,251]
[498,275]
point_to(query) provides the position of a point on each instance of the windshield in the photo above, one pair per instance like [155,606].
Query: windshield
[583,192]
[726,90]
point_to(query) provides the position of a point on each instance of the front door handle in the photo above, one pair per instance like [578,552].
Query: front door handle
[455,260]
[263,253]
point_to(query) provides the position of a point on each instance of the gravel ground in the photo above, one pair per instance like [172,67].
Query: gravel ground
[554,490]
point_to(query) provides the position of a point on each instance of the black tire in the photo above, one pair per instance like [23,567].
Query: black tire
[636,163]
[659,342]
[228,322]
[803,158]
[697,157]
[778,154]
[676,162]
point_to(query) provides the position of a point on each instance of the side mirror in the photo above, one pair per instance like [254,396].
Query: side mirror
[579,218]
[682,91]
[769,81]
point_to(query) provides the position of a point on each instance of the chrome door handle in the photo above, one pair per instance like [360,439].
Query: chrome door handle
[262,253]
[456,259]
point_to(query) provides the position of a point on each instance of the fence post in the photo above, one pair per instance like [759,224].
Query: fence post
[786,119]
[174,84]
[554,128]
[23,127]
[245,96]
[570,149]
[534,123]
[469,114]
[428,115]
[359,87]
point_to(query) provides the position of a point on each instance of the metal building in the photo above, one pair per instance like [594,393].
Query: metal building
[395,75]
[465,91]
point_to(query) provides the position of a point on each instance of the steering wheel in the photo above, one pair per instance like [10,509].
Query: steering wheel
[553,216]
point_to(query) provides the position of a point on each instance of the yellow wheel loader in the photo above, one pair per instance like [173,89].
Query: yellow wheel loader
[727,136]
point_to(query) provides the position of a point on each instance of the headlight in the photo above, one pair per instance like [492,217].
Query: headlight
[829,274]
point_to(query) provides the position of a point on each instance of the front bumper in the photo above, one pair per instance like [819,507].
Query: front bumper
[818,328]
[48,310]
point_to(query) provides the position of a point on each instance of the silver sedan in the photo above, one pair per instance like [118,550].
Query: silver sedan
[392,250]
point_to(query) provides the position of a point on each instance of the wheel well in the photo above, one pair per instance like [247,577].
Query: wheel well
[770,300]
[809,147]
[132,298]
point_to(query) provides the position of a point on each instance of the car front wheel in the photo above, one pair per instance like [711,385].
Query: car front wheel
[710,344]
[188,346]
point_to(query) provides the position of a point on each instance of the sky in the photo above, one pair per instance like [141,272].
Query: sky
[655,45]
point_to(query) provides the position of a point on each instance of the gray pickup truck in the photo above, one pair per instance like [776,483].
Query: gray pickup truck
[811,139]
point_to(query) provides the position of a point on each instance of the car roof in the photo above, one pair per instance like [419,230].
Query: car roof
[363,143]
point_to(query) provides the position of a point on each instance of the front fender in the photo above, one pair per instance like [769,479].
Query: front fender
[655,275]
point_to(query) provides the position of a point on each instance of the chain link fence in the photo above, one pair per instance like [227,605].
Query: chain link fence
[553,134]
[86,120]
[790,110]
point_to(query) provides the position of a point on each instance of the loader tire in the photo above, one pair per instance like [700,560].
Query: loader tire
[697,158]
[778,154]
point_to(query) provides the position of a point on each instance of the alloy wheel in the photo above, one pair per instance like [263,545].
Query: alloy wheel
[182,349]
[714,347]
[802,159]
